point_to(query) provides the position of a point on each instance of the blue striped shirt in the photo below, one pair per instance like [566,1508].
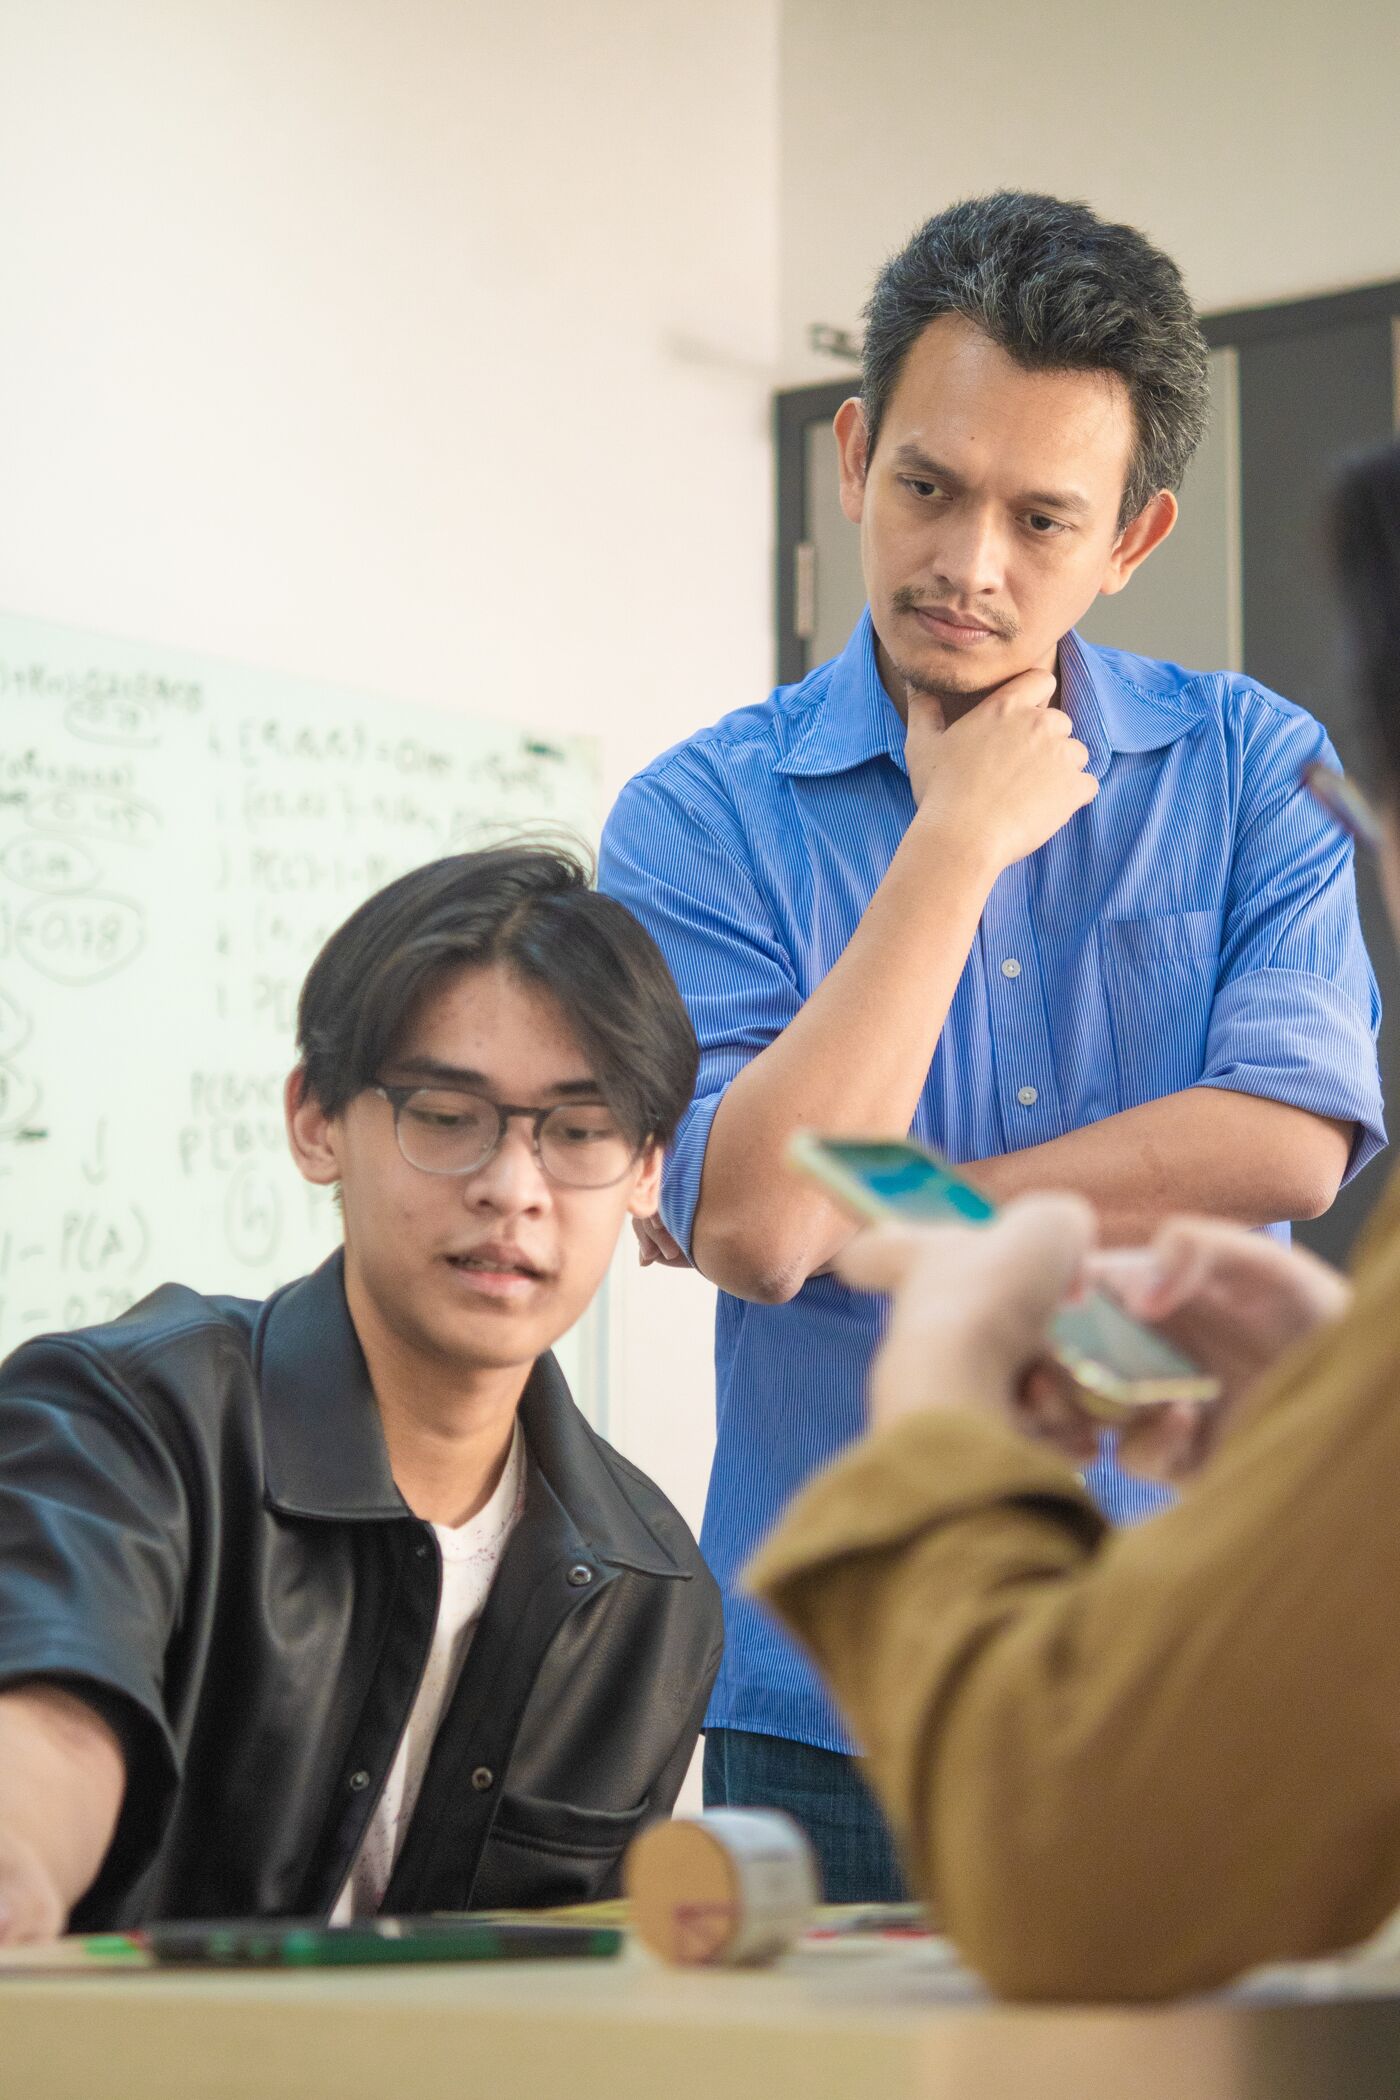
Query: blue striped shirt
[1194,925]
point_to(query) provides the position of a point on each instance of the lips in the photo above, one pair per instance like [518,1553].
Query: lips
[495,1260]
[496,1271]
[954,626]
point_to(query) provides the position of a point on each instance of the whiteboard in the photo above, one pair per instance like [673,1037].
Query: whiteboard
[178,836]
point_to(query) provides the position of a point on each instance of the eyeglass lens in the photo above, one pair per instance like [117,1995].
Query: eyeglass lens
[580,1143]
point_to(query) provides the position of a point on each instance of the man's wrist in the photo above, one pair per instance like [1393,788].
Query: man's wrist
[964,849]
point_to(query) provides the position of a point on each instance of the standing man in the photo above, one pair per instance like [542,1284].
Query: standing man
[1063,912]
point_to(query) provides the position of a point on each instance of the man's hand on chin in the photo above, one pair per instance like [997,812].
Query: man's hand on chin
[1004,777]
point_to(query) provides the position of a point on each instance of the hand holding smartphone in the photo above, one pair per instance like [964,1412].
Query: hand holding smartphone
[1117,1365]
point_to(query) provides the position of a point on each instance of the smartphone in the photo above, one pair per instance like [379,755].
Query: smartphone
[1117,1364]
[307,1943]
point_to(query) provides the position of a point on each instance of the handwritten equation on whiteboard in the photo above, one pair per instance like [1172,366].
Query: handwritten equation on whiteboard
[177,839]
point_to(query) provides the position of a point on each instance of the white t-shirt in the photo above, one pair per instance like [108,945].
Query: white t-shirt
[471,1554]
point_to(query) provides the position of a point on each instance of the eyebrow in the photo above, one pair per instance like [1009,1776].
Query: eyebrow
[433,1069]
[1069,500]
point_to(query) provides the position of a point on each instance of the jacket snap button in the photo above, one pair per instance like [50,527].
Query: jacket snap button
[579,1575]
[358,1782]
[483,1778]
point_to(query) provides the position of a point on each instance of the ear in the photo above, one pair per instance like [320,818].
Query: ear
[852,456]
[1137,540]
[645,1199]
[311,1133]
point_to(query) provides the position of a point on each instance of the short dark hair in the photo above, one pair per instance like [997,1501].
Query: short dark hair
[1058,289]
[531,908]
[1366,557]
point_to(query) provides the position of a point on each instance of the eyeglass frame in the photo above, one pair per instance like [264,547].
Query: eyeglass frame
[398,1098]
[1344,802]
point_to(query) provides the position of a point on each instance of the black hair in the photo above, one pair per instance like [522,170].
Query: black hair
[1366,557]
[1058,289]
[531,908]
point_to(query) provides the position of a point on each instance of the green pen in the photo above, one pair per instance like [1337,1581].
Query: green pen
[121,1948]
[300,1944]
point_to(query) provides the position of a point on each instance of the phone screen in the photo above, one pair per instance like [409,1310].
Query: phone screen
[909,1181]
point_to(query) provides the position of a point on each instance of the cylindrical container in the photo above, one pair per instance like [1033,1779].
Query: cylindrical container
[734,1885]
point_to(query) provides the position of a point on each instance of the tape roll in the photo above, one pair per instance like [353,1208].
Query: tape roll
[735,1885]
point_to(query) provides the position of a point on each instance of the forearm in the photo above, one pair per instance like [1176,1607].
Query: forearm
[62,1778]
[854,1060]
[1209,1150]
[1133,1766]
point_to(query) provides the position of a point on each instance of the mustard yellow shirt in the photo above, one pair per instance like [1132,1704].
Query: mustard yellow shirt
[1130,1764]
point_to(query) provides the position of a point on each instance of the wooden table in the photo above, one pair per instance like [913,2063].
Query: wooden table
[871,2023]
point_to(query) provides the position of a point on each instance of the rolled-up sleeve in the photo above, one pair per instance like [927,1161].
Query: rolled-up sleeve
[93,1549]
[1296,1009]
[672,857]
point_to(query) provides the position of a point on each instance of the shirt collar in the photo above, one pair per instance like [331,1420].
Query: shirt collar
[1125,703]
[854,720]
[324,1453]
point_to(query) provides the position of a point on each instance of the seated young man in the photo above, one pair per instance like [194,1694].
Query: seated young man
[335,1604]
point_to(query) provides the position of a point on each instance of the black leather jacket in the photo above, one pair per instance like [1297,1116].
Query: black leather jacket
[200,1534]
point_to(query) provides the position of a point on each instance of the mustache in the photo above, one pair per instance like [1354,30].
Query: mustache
[907,600]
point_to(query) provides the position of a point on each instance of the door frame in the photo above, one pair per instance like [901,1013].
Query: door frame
[795,408]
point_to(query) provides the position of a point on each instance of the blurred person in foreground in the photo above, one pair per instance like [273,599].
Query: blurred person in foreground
[1133,1764]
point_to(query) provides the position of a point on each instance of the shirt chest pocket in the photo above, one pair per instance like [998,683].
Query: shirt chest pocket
[1159,977]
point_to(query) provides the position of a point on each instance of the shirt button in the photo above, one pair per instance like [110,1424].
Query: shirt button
[578,1576]
[1028,1097]
[1011,968]
[483,1779]
[358,1782]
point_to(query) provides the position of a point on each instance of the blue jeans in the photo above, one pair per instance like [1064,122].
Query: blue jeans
[822,1791]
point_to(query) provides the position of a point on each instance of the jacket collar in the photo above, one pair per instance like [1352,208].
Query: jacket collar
[324,1453]
[1116,703]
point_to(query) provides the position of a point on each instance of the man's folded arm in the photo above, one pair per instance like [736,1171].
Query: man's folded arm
[1127,1765]
[1214,1148]
[854,1056]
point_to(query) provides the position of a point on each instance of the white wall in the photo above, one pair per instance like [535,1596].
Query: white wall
[422,347]
[1255,140]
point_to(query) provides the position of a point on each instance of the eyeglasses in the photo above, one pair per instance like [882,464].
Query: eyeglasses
[441,1130]
[1343,801]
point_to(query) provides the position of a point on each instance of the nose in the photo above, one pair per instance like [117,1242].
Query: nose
[512,1182]
[970,556]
